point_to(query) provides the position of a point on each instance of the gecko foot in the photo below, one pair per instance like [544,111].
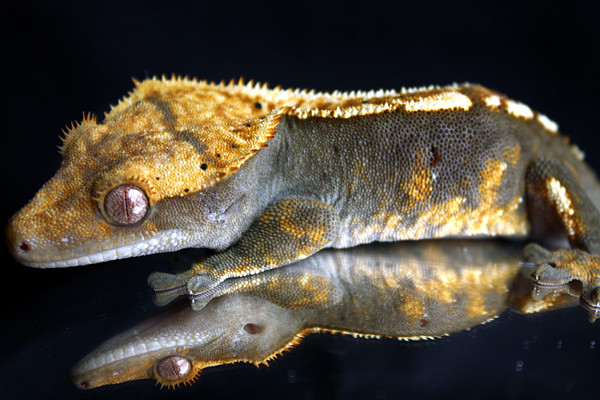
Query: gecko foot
[571,271]
[199,285]
[167,287]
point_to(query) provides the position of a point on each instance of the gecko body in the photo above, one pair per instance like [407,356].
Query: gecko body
[270,176]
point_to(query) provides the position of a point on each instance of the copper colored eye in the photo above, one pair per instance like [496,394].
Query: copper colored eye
[174,368]
[126,204]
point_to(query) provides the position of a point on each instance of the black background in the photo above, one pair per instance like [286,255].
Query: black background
[66,58]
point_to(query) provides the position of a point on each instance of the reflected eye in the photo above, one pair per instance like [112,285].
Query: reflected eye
[174,368]
[126,204]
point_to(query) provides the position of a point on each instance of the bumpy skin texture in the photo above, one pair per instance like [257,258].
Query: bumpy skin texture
[411,291]
[272,176]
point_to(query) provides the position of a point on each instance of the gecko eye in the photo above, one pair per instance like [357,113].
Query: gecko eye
[126,204]
[174,368]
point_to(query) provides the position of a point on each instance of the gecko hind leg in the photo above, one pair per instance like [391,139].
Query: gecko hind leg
[553,191]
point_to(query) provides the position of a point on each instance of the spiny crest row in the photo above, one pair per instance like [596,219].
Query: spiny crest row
[311,93]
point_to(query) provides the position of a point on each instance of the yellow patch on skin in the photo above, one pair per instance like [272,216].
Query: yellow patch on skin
[353,104]
[512,154]
[496,101]
[548,124]
[420,186]
[445,286]
[453,217]
[448,100]
[493,101]
[316,286]
[518,109]
[290,227]
[559,196]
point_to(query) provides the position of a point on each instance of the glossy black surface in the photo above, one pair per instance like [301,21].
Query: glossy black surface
[66,58]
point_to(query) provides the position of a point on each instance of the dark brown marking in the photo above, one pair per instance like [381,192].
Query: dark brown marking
[169,120]
[25,247]
[435,156]
[192,140]
[168,116]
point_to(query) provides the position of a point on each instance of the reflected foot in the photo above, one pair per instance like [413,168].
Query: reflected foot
[572,271]
[199,284]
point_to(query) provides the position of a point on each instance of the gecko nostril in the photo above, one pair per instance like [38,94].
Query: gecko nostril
[25,247]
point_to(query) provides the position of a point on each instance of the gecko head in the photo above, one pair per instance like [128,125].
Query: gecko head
[175,345]
[135,183]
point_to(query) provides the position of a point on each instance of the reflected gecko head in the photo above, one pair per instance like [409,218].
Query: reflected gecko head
[176,344]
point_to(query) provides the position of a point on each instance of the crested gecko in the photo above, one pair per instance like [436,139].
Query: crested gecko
[409,291]
[269,176]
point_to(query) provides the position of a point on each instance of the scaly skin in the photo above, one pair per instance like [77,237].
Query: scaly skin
[270,176]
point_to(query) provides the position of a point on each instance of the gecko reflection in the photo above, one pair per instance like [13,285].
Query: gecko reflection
[403,290]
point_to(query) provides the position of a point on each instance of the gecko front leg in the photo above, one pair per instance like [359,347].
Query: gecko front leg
[553,190]
[289,230]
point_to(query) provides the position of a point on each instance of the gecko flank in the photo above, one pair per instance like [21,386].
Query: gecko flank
[270,176]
